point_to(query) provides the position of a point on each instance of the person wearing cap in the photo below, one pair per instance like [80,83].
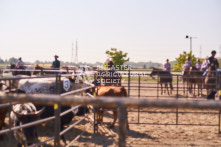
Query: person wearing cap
[110,65]
[56,62]
[167,66]
[213,61]
[20,64]
[198,64]
[205,64]
[188,63]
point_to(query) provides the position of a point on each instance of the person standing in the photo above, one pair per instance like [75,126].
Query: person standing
[167,66]
[56,62]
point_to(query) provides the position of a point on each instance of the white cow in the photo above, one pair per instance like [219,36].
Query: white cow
[48,85]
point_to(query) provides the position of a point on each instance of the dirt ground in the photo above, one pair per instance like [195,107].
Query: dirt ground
[145,134]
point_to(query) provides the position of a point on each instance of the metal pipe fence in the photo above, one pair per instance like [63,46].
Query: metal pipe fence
[57,111]
[123,105]
[135,84]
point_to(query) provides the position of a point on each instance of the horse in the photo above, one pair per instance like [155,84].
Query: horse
[185,75]
[43,71]
[110,78]
[165,78]
[195,78]
[21,72]
[211,79]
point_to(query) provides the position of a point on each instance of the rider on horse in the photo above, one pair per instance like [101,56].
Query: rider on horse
[167,66]
[212,62]
[198,64]
[110,66]
[20,64]
[205,64]
[187,65]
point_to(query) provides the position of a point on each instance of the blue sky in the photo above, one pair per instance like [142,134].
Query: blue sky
[149,30]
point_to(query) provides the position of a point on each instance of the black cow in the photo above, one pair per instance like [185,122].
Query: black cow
[22,114]
[211,95]
[67,118]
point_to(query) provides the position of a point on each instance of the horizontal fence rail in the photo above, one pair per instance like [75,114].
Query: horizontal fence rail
[108,101]
[122,103]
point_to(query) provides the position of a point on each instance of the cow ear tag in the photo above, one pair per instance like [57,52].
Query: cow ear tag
[66,84]
[94,93]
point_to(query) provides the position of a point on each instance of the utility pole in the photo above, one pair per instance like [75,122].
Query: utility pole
[72,53]
[76,53]
[220,51]
[200,51]
[189,37]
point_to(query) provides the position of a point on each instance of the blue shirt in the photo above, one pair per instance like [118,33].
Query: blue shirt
[56,64]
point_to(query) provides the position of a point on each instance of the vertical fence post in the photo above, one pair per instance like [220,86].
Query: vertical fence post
[128,82]
[219,123]
[177,96]
[157,86]
[95,109]
[1,73]
[95,121]
[219,89]
[138,98]
[57,111]
[42,72]
[177,86]
[10,125]
[10,85]
[122,129]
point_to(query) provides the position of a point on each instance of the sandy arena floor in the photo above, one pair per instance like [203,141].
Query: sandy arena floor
[144,134]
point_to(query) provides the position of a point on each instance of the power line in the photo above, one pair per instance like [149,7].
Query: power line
[200,51]
[76,53]
[72,53]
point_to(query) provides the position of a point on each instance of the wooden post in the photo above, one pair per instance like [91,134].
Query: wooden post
[122,129]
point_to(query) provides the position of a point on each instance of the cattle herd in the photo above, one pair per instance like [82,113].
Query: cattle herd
[28,112]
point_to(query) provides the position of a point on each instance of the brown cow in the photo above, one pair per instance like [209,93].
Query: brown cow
[113,92]
[3,110]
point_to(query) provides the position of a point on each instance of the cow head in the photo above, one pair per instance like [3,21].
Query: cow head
[82,110]
[28,135]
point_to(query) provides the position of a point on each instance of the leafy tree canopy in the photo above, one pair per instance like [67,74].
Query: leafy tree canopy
[181,60]
[118,57]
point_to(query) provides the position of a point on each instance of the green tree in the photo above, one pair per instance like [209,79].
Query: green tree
[181,60]
[1,61]
[12,60]
[118,57]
